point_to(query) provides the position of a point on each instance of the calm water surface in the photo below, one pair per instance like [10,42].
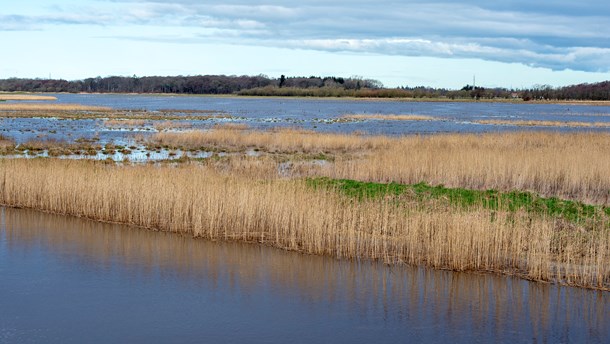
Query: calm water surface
[68,280]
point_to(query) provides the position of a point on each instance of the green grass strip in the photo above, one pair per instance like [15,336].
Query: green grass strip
[491,199]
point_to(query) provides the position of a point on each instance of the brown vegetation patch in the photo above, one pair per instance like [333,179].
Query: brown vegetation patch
[574,102]
[50,107]
[275,141]
[567,165]
[8,96]
[571,124]
[7,145]
[390,117]
[123,123]
[59,148]
[75,111]
[190,111]
[169,125]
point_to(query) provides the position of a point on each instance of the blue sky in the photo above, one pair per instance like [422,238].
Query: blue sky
[441,44]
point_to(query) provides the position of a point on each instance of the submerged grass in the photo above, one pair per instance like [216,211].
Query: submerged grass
[77,111]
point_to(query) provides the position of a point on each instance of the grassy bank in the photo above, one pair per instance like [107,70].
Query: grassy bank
[242,204]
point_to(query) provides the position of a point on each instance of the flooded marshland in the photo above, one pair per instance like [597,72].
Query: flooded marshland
[125,122]
[70,280]
[65,279]
[326,115]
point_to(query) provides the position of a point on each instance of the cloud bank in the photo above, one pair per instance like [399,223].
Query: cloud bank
[557,35]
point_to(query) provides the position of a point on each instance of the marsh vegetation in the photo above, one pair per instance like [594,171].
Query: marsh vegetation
[78,111]
[390,117]
[569,124]
[244,199]
[571,166]
[24,96]
[532,204]
[528,204]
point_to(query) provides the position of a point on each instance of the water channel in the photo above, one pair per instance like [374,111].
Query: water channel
[71,280]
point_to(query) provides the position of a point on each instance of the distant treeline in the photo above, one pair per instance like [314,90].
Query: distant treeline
[595,91]
[202,84]
[379,92]
[313,86]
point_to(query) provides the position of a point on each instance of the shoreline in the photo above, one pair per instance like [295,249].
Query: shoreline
[496,272]
[347,98]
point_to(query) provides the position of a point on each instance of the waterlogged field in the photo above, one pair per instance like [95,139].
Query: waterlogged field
[75,116]
[440,185]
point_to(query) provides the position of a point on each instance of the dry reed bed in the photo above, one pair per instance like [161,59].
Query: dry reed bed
[390,117]
[159,125]
[172,125]
[123,123]
[567,165]
[277,140]
[199,201]
[50,107]
[5,96]
[7,145]
[567,124]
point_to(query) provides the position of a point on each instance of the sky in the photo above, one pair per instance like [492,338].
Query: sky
[514,44]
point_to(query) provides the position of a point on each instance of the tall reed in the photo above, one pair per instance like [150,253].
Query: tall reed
[567,165]
[7,145]
[276,140]
[202,202]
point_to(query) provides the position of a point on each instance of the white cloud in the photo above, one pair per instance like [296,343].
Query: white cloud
[551,34]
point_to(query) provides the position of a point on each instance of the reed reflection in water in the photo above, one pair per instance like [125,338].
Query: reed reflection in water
[234,292]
